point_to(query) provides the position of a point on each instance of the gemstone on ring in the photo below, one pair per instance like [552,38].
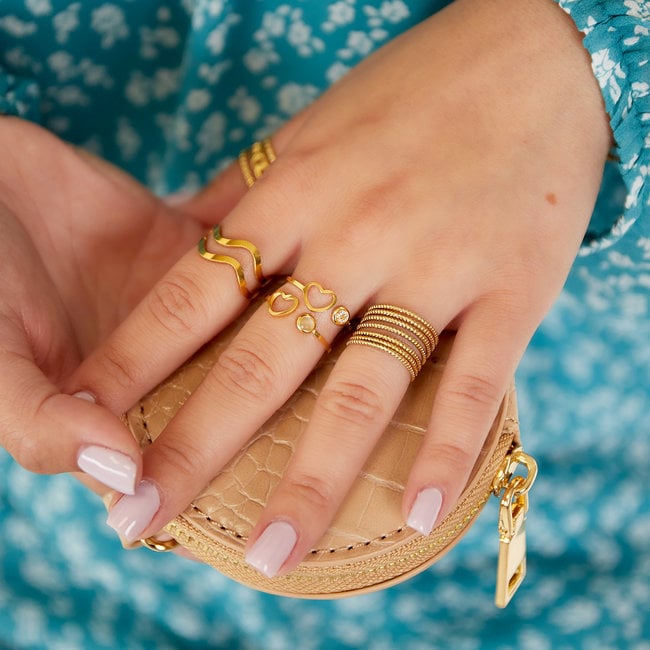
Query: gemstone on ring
[306,323]
[341,316]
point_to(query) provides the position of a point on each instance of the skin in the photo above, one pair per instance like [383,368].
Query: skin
[452,173]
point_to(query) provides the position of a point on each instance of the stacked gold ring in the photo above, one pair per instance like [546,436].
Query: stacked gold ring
[399,332]
[255,160]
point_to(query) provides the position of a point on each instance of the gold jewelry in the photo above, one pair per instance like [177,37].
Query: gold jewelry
[305,288]
[306,323]
[407,317]
[404,335]
[245,244]
[340,315]
[255,160]
[154,544]
[415,342]
[231,261]
[385,347]
[281,303]
[282,311]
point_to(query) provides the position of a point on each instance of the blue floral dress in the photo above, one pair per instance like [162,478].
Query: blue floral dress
[170,90]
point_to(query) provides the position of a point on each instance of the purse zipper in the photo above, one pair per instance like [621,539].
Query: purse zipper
[513,491]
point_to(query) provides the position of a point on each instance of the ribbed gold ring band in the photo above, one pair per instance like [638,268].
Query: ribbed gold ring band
[255,160]
[399,332]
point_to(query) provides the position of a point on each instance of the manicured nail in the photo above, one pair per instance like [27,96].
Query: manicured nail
[425,510]
[85,395]
[132,514]
[272,548]
[112,468]
[178,198]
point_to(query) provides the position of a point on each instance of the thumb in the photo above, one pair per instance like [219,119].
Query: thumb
[50,432]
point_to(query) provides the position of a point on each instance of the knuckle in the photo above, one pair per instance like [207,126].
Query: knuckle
[117,367]
[473,389]
[19,434]
[25,451]
[351,403]
[175,304]
[311,491]
[452,456]
[246,371]
[180,460]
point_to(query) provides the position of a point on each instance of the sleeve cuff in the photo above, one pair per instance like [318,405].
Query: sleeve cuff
[617,36]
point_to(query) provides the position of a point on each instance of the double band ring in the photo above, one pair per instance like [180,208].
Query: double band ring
[399,332]
[233,262]
[316,299]
[255,160]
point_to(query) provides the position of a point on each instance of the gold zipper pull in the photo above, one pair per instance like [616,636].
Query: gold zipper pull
[511,569]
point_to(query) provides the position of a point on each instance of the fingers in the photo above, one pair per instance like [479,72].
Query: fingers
[183,310]
[355,406]
[269,357]
[361,395]
[196,298]
[50,432]
[485,354]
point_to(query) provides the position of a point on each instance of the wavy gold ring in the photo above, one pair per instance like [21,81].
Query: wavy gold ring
[231,261]
[226,259]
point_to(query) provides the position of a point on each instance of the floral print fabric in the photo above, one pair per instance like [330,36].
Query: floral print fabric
[171,90]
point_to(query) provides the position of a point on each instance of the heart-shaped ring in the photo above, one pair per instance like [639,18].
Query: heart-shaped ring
[305,288]
[282,295]
[322,292]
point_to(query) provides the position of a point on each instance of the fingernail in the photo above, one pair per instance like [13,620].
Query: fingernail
[85,395]
[112,468]
[178,198]
[132,514]
[425,510]
[272,548]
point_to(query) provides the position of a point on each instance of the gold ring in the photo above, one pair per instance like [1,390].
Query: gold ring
[245,244]
[316,299]
[154,544]
[231,261]
[255,160]
[408,320]
[340,315]
[399,332]
[385,347]
[306,323]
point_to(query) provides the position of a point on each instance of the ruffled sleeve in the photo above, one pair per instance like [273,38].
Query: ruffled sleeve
[19,96]
[617,35]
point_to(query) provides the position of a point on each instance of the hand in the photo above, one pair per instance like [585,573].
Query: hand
[453,173]
[81,244]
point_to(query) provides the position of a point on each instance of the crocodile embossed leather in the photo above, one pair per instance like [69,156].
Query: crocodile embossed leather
[368,546]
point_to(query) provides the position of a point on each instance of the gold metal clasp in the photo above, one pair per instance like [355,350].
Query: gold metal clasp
[511,569]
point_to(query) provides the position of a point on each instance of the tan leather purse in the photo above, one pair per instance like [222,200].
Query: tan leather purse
[368,545]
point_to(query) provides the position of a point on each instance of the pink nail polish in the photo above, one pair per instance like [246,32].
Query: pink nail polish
[112,468]
[85,395]
[178,198]
[272,548]
[132,514]
[425,510]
